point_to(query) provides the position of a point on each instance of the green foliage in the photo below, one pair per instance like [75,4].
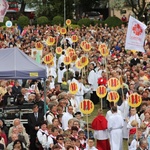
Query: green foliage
[4,21]
[4,27]
[73,21]
[15,22]
[96,22]
[42,20]
[23,21]
[74,26]
[85,22]
[119,4]
[113,21]
[58,20]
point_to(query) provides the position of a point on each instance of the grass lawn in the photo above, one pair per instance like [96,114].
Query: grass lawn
[94,114]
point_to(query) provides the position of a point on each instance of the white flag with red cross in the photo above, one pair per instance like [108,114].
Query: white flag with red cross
[135,35]
[3,9]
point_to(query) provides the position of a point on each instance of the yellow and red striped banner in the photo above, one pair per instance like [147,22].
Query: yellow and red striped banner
[86,106]
[101,91]
[113,96]
[113,83]
[134,100]
[73,88]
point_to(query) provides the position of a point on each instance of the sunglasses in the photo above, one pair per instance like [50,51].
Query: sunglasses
[61,139]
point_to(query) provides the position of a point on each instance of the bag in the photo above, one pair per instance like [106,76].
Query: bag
[38,144]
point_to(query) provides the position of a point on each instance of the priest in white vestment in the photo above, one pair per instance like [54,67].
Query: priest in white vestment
[115,127]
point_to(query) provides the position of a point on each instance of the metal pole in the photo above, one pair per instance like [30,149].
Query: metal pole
[64,12]
[44,96]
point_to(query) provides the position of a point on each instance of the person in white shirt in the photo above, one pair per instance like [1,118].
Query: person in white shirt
[81,91]
[109,112]
[92,80]
[51,113]
[61,59]
[60,141]
[133,116]
[61,71]
[50,142]
[73,102]
[52,83]
[115,129]
[42,135]
[66,117]
[90,144]
[124,108]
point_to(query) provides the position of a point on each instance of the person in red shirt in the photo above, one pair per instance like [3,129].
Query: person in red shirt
[99,125]
[102,80]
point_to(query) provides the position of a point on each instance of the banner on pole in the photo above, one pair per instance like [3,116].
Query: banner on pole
[135,35]
[3,9]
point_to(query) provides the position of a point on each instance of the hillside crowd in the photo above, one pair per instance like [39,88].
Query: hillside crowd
[58,123]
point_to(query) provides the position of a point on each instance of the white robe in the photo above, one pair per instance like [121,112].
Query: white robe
[124,108]
[65,118]
[60,60]
[79,95]
[74,104]
[115,125]
[49,141]
[131,118]
[52,72]
[109,113]
[60,74]
[101,134]
[133,145]
[93,80]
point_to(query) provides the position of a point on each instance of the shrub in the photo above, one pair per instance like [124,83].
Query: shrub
[74,26]
[58,20]
[14,22]
[97,22]
[113,21]
[73,21]
[4,21]
[42,20]
[85,22]
[23,21]
[4,27]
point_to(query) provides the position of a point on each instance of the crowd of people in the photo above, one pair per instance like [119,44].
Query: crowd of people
[58,123]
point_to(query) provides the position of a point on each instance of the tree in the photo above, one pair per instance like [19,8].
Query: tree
[23,5]
[138,6]
[119,4]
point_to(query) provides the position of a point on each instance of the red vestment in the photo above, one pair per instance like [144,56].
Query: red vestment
[100,123]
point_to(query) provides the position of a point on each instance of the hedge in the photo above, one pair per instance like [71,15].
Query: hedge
[42,20]
[74,26]
[57,20]
[113,21]
[23,21]
[4,21]
[85,22]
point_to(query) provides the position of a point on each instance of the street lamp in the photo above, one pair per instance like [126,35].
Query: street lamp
[64,12]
